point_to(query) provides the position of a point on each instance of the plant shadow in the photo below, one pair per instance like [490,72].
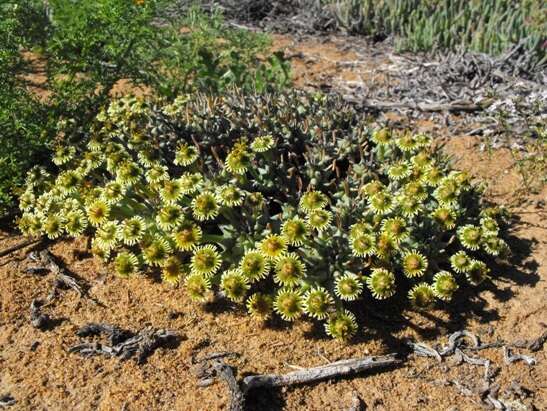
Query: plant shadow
[265,399]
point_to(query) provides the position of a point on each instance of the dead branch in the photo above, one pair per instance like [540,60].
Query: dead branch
[320,373]
[140,345]
[489,392]
[6,401]
[237,396]
[511,358]
[489,395]
[537,344]
[424,350]
[46,261]
[115,334]
[19,246]
[475,361]
[454,342]
[357,404]
[463,106]
[238,391]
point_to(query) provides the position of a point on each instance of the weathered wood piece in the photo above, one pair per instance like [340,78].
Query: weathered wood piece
[6,401]
[44,260]
[239,390]
[124,344]
[435,107]
[357,404]
[23,244]
[320,373]
[510,358]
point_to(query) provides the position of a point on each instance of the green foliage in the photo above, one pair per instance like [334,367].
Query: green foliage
[283,202]
[210,56]
[489,26]
[23,120]
[87,47]
[23,141]
[135,41]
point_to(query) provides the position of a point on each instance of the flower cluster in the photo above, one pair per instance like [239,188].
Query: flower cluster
[291,206]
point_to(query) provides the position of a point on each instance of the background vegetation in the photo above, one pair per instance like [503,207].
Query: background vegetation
[88,47]
[490,26]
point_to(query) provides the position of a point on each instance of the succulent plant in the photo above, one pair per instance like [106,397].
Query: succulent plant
[285,203]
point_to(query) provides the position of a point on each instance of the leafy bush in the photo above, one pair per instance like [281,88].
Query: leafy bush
[23,141]
[284,202]
[89,46]
[490,26]
[137,42]
[23,119]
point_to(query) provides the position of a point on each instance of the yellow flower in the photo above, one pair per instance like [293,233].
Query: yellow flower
[341,325]
[288,304]
[206,260]
[273,246]
[295,231]
[171,270]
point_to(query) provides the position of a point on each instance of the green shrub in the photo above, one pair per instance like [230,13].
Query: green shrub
[89,46]
[135,41]
[283,202]
[23,142]
[23,119]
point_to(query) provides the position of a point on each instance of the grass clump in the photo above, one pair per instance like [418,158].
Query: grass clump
[313,223]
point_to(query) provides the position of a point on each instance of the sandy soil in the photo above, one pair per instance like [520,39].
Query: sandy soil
[37,370]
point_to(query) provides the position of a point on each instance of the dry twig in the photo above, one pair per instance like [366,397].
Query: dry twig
[6,400]
[357,404]
[124,344]
[323,372]
[488,393]
[26,243]
[305,376]
[44,260]
[535,344]
[455,106]
[511,358]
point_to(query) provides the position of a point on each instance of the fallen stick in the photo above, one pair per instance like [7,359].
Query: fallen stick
[140,345]
[7,401]
[454,341]
[237,395]
[46,261]
[423,350]
[16,247]
[322,372]
[511,358]
[463,106]
[114,333]
[475,361]
[357,404]
[455,347]
[238,391]
[533,345]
